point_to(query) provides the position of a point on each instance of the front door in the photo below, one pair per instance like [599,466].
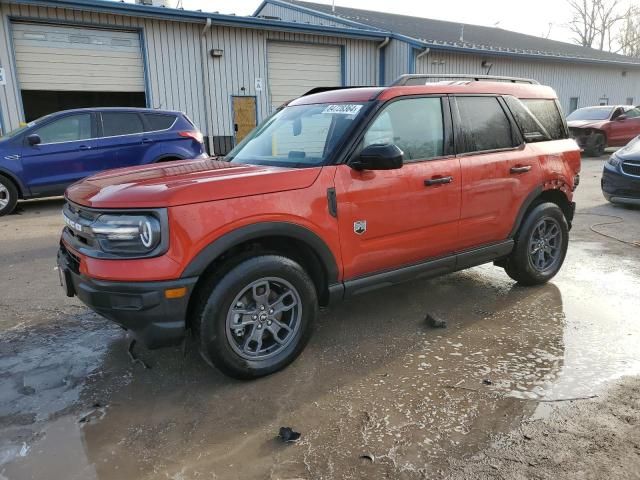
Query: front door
[392,218]
[65,154]
[244,116]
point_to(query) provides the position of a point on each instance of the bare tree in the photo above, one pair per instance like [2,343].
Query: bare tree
[593,22]
[629,35]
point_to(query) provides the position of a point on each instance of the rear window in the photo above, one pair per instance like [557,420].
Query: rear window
[485,125]
[531,128]
[547,113]
[158,121]
[121,123]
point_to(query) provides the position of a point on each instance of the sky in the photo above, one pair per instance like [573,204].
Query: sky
[516,15]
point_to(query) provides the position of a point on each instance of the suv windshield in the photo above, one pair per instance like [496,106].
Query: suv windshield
[596,113]
[298,136]
[22,128]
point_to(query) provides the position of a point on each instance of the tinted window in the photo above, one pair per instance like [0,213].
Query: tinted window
[158,121]
[414,125]
[549,116]
[484,124]
[531,128]
[633,113]
[66,129]
[121,123]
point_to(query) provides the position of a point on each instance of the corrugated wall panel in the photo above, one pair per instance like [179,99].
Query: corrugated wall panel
[396,62]
[589,83]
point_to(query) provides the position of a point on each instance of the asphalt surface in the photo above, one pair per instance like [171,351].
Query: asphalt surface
[376,394]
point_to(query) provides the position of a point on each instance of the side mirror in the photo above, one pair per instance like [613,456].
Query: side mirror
[620,118]
[379,157]
[34,139]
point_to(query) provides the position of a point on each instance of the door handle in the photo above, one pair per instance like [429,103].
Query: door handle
[84,147]
[520,169]
[438,181]
[146,140]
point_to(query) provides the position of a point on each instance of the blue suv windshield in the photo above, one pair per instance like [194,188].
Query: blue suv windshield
[298,136]
[19,130]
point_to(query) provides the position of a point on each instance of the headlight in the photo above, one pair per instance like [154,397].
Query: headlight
[614,161]
[127,234]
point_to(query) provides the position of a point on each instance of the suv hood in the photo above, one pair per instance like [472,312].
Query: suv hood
[631,151]
[183,182]
[587,123]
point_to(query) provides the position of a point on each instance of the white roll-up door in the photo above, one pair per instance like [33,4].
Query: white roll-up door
[296,68]
[68,58]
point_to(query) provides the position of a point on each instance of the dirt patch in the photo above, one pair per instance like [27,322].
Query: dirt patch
[584,439]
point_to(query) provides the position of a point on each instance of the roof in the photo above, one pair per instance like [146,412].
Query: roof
[175,14]
[519,90]
[448,35]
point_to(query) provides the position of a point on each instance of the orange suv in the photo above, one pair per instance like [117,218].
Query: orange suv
[338,193]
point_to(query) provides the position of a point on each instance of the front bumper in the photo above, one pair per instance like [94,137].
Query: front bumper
[620,188]
[140,307]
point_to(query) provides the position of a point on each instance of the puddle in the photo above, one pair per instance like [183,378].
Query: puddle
[375,381]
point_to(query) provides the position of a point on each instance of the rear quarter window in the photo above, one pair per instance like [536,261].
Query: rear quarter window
[158,121]
[530,126]
[547,113]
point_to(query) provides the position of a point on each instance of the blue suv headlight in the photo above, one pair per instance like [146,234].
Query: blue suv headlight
[614,161]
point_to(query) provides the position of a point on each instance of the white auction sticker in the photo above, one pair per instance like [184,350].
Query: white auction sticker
[343,109]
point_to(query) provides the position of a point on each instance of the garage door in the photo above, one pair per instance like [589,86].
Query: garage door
[296,68]
[61,58]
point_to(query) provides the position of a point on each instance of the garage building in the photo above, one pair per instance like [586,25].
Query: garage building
[227,72]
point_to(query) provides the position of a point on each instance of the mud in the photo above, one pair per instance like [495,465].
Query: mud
[378,393]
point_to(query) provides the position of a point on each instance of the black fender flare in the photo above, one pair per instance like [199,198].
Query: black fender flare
[523,209]
[258,230]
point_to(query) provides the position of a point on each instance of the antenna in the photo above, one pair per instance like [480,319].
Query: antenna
[462,32]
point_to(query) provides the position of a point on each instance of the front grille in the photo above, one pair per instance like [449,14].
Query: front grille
[80,217]
[631,167]
[73,261]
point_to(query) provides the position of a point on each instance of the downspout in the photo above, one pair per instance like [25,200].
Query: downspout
[420,55]
[204,61]
[381,60]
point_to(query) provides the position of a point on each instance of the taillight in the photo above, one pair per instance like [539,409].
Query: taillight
[193,134]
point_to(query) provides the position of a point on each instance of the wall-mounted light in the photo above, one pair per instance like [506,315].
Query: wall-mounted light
[216,52]
[486,64]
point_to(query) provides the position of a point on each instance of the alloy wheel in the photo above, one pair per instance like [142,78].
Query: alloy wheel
[545,244]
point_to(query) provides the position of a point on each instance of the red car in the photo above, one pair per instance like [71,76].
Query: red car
[596,128]
[336,194]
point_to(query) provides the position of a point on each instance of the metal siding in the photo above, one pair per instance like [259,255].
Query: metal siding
[587,82]
[292,15]
[396,60]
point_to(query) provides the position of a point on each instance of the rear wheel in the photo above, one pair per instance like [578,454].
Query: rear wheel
[540,246]
[258,317]
[597,144]
[8,196]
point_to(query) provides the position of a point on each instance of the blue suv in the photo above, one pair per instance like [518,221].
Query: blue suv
[44,157]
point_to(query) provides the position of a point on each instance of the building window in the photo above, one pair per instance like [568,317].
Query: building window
[573,104]
[629,100]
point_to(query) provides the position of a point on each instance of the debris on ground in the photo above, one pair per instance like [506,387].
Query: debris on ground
[287,435]
[435,322]
[368,456]
[487,381]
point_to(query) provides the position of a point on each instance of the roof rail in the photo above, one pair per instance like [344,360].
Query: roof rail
[421,79]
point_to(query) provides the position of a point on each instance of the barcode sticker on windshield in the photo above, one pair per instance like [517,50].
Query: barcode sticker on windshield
[343,109]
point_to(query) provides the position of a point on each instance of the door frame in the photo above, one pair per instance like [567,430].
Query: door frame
[233,114]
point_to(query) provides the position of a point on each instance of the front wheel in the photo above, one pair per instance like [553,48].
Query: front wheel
[8,196]
[258,317]
[540,246]
[596,145]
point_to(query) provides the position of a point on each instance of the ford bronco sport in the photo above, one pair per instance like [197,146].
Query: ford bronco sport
[336,194]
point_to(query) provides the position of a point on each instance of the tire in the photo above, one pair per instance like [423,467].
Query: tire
[8,196]
[237,335]
[596,146]
[532,262]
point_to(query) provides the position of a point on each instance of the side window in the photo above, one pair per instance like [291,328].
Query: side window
[484,124]
[67,129]
[531,128]
[415,125]
[158,121]
[120,123]
[548,115]
[633,113]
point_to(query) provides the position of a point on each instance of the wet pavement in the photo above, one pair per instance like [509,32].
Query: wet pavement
[376,394]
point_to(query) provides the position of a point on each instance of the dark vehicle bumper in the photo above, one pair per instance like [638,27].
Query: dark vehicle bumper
[620,188]
[140,307]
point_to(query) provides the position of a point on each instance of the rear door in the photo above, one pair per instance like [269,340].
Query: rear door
[66,153]
[121,140]
[498,169]
[630,126]
[391,218]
